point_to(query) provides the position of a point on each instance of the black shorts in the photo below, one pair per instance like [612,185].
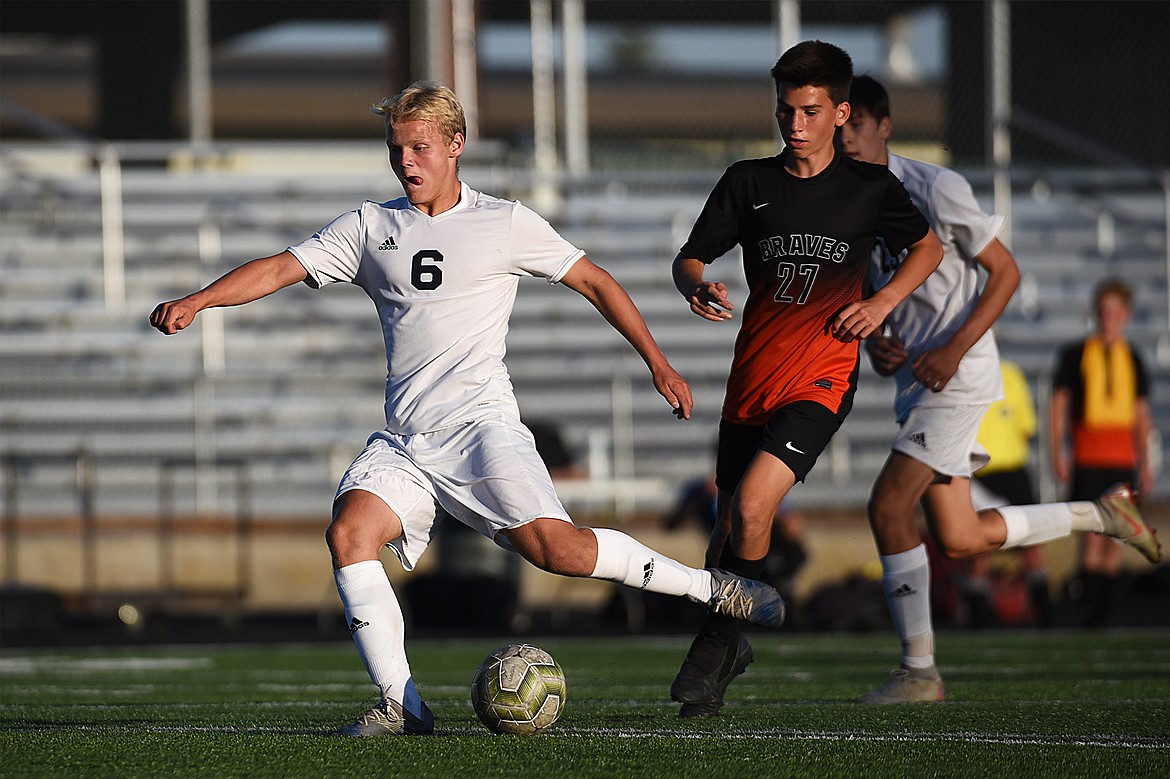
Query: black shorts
[796,434]
[1013,486]
[1089,483]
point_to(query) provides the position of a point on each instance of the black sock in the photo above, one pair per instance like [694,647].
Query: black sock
[730,561]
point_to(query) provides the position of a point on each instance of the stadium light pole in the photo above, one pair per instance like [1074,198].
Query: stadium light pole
[113,236]
[464,66]
[787,35]
[431,40]
[787,24]
[999,84]
[198,74]
[575,75]
[544,151]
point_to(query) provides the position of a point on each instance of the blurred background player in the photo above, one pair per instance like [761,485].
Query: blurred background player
[1006,434]
[943,355]
[806,221]
[1100,399]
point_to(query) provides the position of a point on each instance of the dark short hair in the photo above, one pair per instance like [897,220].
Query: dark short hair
[816,64]
[867,96]
[1113,286]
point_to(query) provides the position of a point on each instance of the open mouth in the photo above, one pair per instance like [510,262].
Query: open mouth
[414,181]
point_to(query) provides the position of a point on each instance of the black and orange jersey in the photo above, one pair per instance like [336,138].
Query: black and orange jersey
[1106,382]
[806,246]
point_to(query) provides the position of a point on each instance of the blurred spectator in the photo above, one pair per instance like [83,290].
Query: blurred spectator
[1006,433]
[1100,402]
[551,447]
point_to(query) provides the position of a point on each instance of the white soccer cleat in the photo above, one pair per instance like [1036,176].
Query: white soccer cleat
[1124,521]
[908,685]
[388,718]
[747,599]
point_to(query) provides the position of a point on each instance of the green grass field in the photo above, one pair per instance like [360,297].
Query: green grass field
[1020,704]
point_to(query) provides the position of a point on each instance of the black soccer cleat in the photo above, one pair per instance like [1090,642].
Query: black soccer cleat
[708,669]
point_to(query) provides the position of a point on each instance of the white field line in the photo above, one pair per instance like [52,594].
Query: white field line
[964,737]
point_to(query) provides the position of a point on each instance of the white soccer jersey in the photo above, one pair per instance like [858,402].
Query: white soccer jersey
[931,314]
[444,287]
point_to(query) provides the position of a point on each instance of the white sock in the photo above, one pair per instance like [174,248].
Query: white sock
[1035,524]
[622,559]
[379,632]
[906,580]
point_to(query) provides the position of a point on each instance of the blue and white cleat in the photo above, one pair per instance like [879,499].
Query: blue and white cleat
[746,599]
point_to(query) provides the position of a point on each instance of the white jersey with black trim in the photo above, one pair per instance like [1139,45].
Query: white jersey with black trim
[444,287]
[929,316]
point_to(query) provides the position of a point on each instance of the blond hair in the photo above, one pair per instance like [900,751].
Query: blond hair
[427,101]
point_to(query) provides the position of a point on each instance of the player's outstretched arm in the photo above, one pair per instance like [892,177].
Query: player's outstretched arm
[611,299]
[251,281]
[863,318]
[936,367]
[708,299]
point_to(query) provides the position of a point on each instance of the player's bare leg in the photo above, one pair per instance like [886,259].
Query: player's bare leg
[362,524]
[740,541]
[961,531]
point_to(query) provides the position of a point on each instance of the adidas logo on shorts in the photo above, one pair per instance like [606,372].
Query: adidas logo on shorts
[917,438]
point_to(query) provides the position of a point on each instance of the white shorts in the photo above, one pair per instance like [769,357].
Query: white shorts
[982,498]
[944,438]
[486,474]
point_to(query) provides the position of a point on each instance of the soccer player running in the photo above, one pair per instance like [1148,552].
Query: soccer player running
[807,221]
[442,265]
[943,355]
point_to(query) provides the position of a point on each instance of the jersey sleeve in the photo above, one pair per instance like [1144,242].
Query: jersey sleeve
[959,212]
[334,252]
[1068,368]
[1140,374]
[900,223]
[716,230]
[538,249]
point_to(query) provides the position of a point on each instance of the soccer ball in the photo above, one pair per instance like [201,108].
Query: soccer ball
[518,689]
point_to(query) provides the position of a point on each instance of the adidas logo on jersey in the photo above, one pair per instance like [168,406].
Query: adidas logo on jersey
[388,245]
[917,438]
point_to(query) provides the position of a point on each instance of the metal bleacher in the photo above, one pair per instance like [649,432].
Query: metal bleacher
[299,385]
